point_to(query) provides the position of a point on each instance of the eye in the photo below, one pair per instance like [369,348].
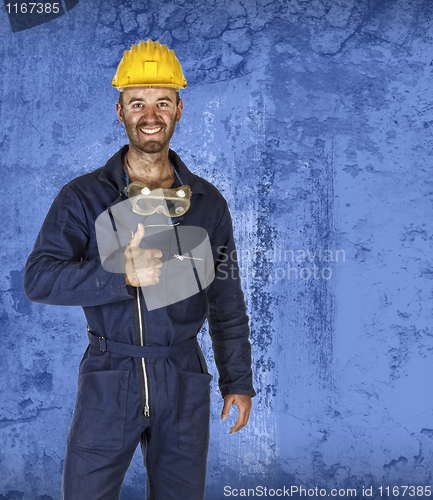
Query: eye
[162,104]
[137,105]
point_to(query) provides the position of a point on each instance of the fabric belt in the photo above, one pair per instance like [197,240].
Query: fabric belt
[138,351]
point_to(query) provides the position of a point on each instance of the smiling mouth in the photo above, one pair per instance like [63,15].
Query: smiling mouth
[151,131]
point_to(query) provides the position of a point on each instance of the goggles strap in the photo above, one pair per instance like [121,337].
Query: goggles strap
[180,184]
[126,172]
[177,175]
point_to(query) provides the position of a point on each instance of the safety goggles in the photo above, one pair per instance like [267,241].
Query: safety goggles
[170,202]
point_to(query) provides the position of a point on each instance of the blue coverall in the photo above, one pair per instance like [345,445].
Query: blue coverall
[161,400]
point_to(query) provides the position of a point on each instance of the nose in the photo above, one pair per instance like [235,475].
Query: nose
[149,114]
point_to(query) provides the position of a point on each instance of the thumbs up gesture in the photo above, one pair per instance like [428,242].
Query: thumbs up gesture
[142,266]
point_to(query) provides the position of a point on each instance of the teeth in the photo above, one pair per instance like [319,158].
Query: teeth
[150,130]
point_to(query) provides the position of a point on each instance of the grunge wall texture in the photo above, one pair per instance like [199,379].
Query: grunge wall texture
[314,118]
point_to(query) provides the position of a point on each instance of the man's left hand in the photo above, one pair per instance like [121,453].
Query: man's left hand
[244,407]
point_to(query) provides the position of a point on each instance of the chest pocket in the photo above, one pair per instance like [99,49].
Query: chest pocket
[190,271]
[187,271]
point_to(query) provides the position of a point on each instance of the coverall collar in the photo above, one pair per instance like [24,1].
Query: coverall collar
[113,172]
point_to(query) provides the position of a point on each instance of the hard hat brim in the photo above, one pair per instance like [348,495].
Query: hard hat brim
[137,85]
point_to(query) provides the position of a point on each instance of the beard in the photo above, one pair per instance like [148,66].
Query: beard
[138,140]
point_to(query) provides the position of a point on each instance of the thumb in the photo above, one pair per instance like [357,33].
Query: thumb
[138,236]
[226,408]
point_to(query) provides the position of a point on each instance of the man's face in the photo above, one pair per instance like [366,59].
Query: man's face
[149,115]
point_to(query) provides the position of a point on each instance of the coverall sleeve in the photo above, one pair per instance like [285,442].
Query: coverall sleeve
[227,318]
[58,271]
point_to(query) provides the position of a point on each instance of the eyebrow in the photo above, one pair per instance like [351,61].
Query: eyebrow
[139,99]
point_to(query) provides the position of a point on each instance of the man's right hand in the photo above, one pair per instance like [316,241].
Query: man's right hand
[142,266]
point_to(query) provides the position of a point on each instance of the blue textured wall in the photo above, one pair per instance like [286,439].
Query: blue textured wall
[314,118]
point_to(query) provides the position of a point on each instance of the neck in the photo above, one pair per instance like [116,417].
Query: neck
[152,169]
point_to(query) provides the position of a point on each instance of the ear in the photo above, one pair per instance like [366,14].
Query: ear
[179,110]
[119,111]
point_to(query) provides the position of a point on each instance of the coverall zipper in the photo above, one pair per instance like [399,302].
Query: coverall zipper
[146,406]
[181,257]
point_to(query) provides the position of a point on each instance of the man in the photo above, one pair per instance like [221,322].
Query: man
[143,378]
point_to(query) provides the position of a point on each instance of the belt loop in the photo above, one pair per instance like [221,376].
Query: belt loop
[103,344]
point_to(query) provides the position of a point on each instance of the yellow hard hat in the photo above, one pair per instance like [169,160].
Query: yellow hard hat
[149,64]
